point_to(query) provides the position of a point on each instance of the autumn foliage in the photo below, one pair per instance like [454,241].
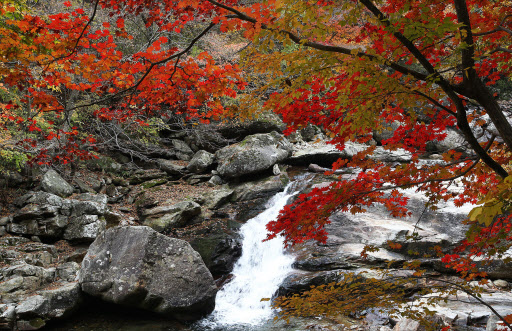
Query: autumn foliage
[349,67]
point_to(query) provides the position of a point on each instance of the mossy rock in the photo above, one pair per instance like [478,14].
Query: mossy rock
[153,183]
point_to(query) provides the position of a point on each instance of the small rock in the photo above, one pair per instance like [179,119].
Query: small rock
[275,170]
[171,167]
[500,283]
[215,181]
[200,162]
[217,198]
[52,182]
[172,216]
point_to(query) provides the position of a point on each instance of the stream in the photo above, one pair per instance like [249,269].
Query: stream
[257,274]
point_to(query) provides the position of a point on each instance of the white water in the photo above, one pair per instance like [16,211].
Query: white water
[257,274]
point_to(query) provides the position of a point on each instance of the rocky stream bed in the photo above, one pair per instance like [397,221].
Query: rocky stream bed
[124,247]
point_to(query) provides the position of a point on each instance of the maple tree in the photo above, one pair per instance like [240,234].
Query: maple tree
[360,65]
[350,67]
[66,65]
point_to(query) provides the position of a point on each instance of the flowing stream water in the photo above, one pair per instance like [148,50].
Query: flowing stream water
[258,273]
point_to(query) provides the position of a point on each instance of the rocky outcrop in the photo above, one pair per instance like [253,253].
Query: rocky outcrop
[49,216]
[253,155]
[53,183]
[10,178]
[200,162]
[137,266]
[171,216]
[36,284]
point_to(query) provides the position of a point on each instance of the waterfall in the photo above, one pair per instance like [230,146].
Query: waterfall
[257,274]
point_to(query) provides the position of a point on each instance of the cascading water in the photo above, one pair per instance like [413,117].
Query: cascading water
[257,274]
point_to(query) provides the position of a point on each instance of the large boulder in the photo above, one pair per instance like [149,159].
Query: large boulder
[52,182]
[201,161]
[167,217]
[137,266]
[254,154]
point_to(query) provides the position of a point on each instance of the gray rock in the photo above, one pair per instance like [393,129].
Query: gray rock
[309,132]
[297,283]
[183,151]
[67,271]
[494,322]
[260,188]
[386,131]
[215,180]
[276,171]
[89,204]
[254,154]
[35,311]
[84,228]
[217,198]
[37,205]
[384,155]
[7,316]
[11,285]
[200,162]
[501,283]
[52,227]
[4,220]
[171,167]
[453,141]
[144,176]
[48,216]
[52,182]
[171,216]
[266,123]
[322,153]
[84,187]
[10,178]
[136,266]
[221,248]
[407,324]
